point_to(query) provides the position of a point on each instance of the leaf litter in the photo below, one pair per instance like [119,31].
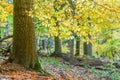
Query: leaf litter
[57,68]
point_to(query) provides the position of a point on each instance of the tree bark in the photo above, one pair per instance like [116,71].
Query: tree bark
[87,48]
[6,37]
[72,47]
[72,6]
[77,47]
[58,47]
[24,46]
[43,44]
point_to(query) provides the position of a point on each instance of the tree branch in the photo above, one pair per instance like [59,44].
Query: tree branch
[6,37]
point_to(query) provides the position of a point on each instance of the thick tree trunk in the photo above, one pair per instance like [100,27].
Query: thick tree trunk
[72,47]
[58,47]
[77,47]
[24,47]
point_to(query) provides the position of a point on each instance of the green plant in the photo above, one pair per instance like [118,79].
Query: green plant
[109,71]
[53,61]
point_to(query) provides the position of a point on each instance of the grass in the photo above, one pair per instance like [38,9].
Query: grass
[48,60]
[111,71]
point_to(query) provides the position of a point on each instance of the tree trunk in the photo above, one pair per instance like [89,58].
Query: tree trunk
[24,46]
[88,48]
[77,47]
[72,6]
[43,44]
[71,57]
[58,48]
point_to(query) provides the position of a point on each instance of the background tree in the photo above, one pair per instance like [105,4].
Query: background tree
[77,53]
[103,15]
[72,41]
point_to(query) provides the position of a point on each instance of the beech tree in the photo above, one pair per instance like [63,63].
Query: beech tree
[77,53]
[87,17]
[71,41]
[58,47]
[87,49]
[24,47]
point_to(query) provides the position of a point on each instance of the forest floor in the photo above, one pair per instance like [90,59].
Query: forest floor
[56,67]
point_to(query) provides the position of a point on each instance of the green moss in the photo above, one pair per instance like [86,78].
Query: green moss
[39,68]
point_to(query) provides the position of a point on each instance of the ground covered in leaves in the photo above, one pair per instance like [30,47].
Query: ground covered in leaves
[56,67]
[16,72]
[59,68]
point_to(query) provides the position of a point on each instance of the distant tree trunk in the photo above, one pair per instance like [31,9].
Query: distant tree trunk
[6,30]
[87,48]
[58,47]
[77,47]
[24,44]
[72,50]
[72,6]
[0,34]
[43,44]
